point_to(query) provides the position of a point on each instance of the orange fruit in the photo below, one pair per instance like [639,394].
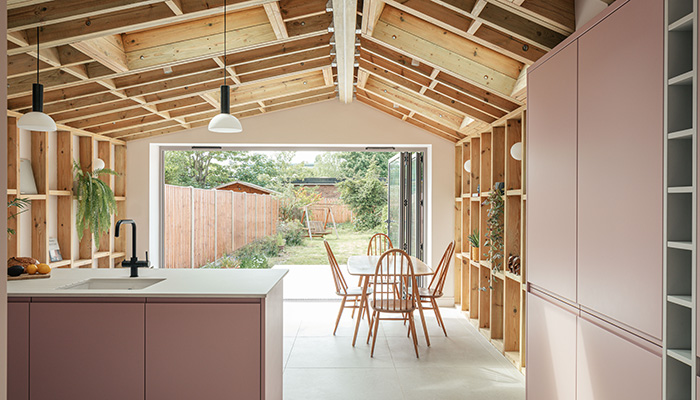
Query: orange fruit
[43,269]
[31,269]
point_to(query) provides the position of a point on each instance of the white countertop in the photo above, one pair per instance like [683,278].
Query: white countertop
[192,283]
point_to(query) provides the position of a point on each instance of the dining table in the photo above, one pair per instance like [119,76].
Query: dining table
[365,266]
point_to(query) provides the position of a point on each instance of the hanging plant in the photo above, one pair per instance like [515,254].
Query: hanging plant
[96,203]
[21,205]
[494,222]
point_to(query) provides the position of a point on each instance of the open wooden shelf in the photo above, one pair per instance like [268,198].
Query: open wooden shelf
[493,299]
[52,209]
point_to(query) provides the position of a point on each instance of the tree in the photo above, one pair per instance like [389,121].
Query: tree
[356,163]
[208,169]
[200,169]
[366,196]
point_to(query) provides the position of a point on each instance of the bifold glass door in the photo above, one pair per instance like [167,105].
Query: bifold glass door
[406,183]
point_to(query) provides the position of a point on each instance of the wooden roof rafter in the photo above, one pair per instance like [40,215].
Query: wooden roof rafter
[141,68]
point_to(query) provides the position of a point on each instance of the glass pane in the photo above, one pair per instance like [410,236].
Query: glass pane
[414,207]
[394,214]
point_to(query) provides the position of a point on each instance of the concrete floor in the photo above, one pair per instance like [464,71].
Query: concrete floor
[320,366]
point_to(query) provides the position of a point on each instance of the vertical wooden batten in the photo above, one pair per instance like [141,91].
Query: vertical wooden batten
[493,300]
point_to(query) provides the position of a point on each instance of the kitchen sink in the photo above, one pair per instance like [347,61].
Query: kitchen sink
[113,284]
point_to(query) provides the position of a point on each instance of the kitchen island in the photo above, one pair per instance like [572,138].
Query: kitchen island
[168,334]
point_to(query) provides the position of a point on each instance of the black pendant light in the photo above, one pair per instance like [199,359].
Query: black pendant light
[36,120]
[225,122]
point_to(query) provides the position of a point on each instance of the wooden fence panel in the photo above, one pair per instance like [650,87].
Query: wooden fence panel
[178,227]
[203,225]
[239,220]
[224,223]
[250,218]
[204,211]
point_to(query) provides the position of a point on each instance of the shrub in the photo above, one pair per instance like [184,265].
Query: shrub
[292,233]
[366,197]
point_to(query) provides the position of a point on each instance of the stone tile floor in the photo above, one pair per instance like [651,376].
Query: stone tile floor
[320,366]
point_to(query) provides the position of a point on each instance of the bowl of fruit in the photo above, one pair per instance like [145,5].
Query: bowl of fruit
[26,268]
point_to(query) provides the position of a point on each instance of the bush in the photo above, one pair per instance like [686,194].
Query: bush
[366,197]
[254,255]
[292,233]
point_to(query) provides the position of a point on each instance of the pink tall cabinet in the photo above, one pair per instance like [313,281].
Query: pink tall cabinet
[595,212]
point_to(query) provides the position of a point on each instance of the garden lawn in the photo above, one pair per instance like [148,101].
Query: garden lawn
[312,252]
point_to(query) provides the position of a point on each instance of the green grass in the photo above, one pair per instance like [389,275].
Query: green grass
[312,252]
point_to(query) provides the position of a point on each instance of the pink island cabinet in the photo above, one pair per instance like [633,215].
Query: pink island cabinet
[117,348]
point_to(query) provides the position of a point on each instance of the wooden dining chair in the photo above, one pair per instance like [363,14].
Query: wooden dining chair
[433,292]
[378,244]
[395,269]
[349,295]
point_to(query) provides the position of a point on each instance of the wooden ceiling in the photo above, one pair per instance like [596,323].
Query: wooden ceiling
[133,69]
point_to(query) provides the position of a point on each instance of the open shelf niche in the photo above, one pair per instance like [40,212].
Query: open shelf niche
[52,210]
[493,301]
[680,205]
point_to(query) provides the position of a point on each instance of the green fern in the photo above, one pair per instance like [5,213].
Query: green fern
[21,205]
[96,203]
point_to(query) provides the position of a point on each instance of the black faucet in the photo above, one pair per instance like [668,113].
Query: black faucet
[134,262]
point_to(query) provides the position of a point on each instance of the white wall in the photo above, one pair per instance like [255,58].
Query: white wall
[326,123]
[585,10]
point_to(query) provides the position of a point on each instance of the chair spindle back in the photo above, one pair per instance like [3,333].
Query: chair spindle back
[341,286]
[379,243]
[395,270]
[438,282]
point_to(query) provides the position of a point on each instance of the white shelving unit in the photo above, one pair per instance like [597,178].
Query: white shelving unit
[680,204]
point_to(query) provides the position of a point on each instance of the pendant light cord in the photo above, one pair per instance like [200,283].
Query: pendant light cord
[225,65]
[37,54]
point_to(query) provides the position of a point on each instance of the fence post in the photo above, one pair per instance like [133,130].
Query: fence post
[216,225]
[233,224]
[192,227]
[245,218]
[264,213]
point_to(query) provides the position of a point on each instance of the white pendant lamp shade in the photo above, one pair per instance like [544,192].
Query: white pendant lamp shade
[225,122]
[36,121]
[99,164]
[516,151]
[468,165]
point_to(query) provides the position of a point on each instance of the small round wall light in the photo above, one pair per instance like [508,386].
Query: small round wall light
[468,165]
[99,164]
[516,151]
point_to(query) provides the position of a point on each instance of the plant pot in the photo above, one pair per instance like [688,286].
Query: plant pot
[475,254]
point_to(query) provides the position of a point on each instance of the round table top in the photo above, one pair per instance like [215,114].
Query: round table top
[366,266]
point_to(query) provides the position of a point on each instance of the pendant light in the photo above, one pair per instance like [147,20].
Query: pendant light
[36,120]
[225,122]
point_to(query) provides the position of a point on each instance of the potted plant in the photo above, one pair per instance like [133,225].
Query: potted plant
[96,203]
[474,241]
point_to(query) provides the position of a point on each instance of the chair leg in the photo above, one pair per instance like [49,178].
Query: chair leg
[340,312]
[376,329]
[438,315]
[412,326]
[425,326]
[369,334]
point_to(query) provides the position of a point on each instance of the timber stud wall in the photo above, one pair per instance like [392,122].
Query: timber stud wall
[498,311]
[52,209]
